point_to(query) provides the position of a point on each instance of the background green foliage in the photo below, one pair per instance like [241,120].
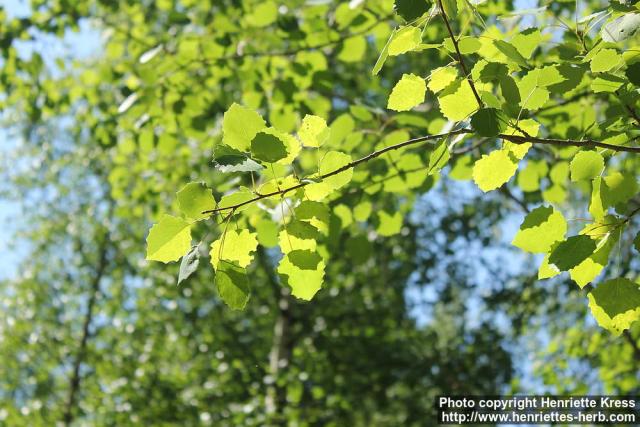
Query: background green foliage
[334,143]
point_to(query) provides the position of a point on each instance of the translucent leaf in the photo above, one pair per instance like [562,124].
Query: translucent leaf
[239,126]
[407,93]
[353,49]
[169,239]
[541,228]
[590,268]
[572,252]
[457,101]
[439,157]
[262,14]
[466,45]
[189,264]
[410,10]
[508,50]
[527,41]
[237,247]
[621,28]
[615,304]
[384,54]
[317,214]
[267,232]
[298,235]
[313,131]
[494,170]
[442,77]
[233,285]
[462,169]
[605,60]
[332,161]
[303,272]
[228,160]
[405,40]
[586,165]
[489,71]
[268,148]
[489,122]
[234,199]
[194,198]
[606,83]
[450,7]
[389,224]
[533,95]
[618,188]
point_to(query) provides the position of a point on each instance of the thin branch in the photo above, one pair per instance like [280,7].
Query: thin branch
[517,139]
[348,166]
[74,381]
[568,142]
[463,67]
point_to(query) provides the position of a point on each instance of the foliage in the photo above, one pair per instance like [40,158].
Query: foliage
[255,134]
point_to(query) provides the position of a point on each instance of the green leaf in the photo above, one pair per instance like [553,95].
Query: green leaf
[268,148]
[615,304]
[405,40]
[442,77]
[169,239]
[262,14]
[407,93]
[494,170]
[189,264]
[467,45]
[621,28]
[572,252]
[353,49]
[239,126]
[636,242]
[304,259]
[439,157]
[510,52]
[237,247]
[295,271]
[228,160]
[533,95]
[194,198]
[457,101]
[410,10]
[313,131]
[605,60]
[233,285]
[527,41]
[590,268]
[384,54]
[389,225]
[618,188]
[586,165]
[489,122]
[607,83]
[450,7]
[633,73]
[541,228]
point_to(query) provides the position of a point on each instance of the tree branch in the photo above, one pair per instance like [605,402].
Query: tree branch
[463,67]
[517,139]
[74,381]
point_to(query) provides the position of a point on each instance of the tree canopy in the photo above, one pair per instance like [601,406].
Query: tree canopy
[230,207]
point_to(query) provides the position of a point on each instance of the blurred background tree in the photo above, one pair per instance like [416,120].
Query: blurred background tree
[91,334]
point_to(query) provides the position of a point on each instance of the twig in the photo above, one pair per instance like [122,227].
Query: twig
[463,67]
[517,139]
